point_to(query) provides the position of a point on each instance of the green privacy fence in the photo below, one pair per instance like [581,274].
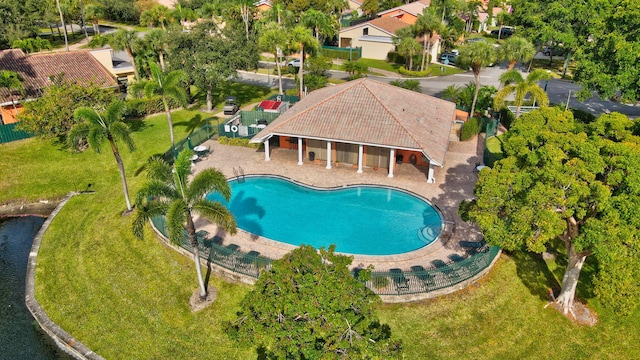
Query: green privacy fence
[246,124]
[8,133]
[491,130]
[392,282]
[334,52]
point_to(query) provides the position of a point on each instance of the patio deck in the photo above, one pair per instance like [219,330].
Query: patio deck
[454,182]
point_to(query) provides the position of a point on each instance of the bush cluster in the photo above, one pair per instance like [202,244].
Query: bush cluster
[470,128]
[402,70]
[224,140]
[139,108]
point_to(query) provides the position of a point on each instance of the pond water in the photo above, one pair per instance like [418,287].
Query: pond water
[20,336]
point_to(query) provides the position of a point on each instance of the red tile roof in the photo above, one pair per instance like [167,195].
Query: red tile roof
[389,24]
[77,66]
[366,111]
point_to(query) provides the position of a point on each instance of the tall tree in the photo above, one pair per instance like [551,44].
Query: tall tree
[10,81]
[94,12]
[476,56]
[157,15]
[66,40]
[308,306]
[168,86]
[428,25]
[409,47]
[126,40]
[169,192]
[157,40]
[514,83]
[273,39]
[516,49]
[452,93]
[98,127]
[301,38]
[322,24]
[572,182]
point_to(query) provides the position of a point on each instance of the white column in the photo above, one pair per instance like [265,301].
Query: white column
[266,150]
[328,154]
[392,161]
[299,151]
[360,149]
[431,179]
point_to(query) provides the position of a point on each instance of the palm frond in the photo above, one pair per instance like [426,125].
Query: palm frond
[501,95]
[215,212]
[207,181]
[537,75]
[511,77]
[96,137]
[144,212]
[152,88]
[87,114]
[176,78]
[121,131]
[137,88]
[155,189]
[160,170]
[540,95]
[78,133]
[182,170]
[113,114]
[177,93]
[176,217]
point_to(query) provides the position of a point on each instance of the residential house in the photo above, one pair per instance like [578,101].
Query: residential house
[37,72]
[119,64]
[407,13]
[375,37]
[365,123]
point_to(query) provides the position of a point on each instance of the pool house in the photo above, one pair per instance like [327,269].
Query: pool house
[364,123]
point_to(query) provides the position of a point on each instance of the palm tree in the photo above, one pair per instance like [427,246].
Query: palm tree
[168,192]
[94,12]
[452,93]
[427,25]
[516,49]
[157,15]
[157,40]
[301,37]
[321,24]
[125,40]
[98,127]
[476,56]
[273,39]
[11,81]
[66,40]
[514,83]
[168,86]
[408,47]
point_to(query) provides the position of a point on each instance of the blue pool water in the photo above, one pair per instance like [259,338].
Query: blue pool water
[358,220]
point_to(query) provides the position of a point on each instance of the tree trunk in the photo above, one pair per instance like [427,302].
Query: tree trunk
[193,240]
[570,279]
[161,57]
[428,51]
[169,120]
[518,111]
[475,93]
[84,23]
[424,51]
[133,60]
[410,61]
[512,63]
[301,72]
[66,39]
[209,98]
[96,27]
[279,74]
[116,154]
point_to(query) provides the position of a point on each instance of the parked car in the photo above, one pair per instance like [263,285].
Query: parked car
[552,50]
[503,32]
[449,58]
[294,63]
[230,106]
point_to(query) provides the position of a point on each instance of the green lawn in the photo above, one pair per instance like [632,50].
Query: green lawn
[127,298]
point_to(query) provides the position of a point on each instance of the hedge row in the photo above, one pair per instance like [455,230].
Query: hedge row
[238,142]
[341,54]
[402,70]
[139,108]
[470,128]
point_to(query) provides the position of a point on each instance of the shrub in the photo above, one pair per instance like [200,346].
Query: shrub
[313,82]
[506,117]
[318,65]
[139,108]
[470,128]
[583,116]
[238,142]
[402,70]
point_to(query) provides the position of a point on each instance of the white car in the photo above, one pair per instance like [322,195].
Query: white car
[294,63]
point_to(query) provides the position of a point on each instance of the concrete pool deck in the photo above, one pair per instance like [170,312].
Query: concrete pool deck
[454,182]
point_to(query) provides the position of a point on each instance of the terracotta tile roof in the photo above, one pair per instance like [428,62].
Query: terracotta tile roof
[389,24]
[415,8]
[78,66]
[366,111]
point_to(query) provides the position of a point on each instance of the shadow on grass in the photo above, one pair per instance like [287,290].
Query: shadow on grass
[191,124]
[138,125]
[535,274]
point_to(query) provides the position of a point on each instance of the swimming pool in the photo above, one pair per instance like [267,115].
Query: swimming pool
[362,220]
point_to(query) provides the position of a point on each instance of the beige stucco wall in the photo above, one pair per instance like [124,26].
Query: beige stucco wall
[371,49]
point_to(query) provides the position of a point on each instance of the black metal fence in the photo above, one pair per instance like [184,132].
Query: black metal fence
[196,138]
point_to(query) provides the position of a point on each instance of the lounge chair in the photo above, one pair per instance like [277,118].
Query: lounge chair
[247,259]
[400,281]
[426,278]
[225,255]
[446,270]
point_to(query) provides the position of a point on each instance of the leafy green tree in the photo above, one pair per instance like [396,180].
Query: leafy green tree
[355,68]
[95,12]
[157,41]
[308,306]
[323,25]
[427,25]
[273,39]
[301,38]
[52,114]
[409,47]
[476,56]
[98,127]
[10,81]
[452,93]
[516,49]
[157,15]
[128,41]
[169,192]
[370,7]
[167,85]
[514,83]
[413,85]
[576,183]
[30,45]
[484,100]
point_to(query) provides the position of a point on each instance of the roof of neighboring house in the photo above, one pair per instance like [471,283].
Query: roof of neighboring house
[387,24]
[36,70]
[366,111]
[483,15]
[415,8]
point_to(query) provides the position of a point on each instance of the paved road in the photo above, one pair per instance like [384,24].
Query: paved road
[558,90]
